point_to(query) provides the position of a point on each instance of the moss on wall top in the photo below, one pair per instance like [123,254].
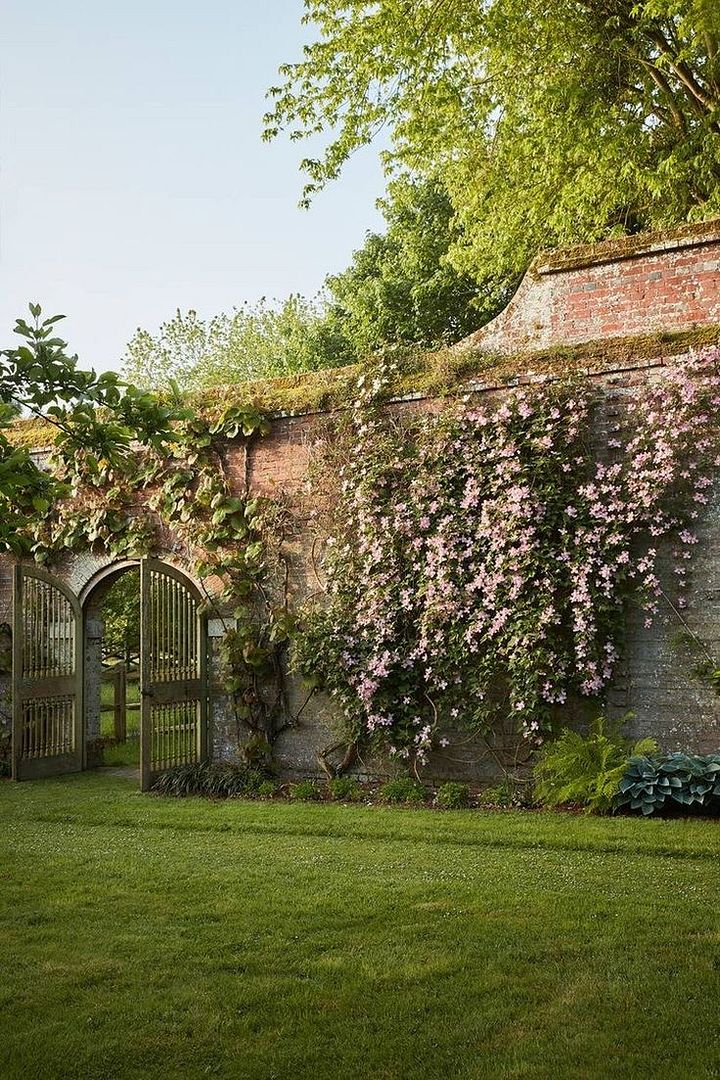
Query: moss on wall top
[626,247]
[453,371]
[34,434]
[445,372]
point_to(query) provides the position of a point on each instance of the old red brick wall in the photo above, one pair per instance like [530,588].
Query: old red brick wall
[623,289]
[627,287]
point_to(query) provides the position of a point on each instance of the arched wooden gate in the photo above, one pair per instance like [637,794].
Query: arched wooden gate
[173,671]
[48,715]
[47,735]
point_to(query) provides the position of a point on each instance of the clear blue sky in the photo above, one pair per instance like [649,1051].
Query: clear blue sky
[133,178]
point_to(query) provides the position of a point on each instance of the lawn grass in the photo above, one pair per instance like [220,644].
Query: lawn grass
[128,752]
[178,939]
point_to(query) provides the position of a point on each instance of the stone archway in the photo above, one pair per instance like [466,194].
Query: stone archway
[93,597]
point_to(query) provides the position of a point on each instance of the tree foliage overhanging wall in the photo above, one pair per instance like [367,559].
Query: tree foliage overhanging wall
[549,123]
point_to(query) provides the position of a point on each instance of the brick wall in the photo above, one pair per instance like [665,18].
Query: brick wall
[655,681]
[625,289]
[620,288]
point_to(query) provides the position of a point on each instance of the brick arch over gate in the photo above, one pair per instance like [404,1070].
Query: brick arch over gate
[619,314]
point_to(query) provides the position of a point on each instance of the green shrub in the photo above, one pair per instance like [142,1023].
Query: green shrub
[266,789]
[345,789]
[213,779]
[306,791]
[656,783]
[403,790]
[453,796]
[586,770]
[509,794]
[254,780]
[182,781]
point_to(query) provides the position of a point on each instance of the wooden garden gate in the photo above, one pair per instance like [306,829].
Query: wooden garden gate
[173,679]
[48,674]
[47,730]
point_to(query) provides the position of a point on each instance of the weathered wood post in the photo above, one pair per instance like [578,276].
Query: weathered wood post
[120,702]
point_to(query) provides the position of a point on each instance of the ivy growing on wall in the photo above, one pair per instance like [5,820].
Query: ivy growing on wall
[479,560]
[184,499]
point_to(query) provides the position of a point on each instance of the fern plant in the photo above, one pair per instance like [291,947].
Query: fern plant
[586,770]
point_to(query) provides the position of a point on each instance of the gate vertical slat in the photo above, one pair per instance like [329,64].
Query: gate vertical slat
[46,676]
[146,620]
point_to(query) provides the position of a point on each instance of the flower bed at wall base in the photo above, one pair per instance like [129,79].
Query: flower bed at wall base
[227,779]
[597,772]
[479,560]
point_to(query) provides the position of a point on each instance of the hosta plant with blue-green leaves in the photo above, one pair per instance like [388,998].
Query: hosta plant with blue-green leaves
[653,784]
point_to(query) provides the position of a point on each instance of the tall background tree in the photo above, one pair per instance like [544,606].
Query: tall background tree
[548,123]
[252,342]
[400,288]
[514,125]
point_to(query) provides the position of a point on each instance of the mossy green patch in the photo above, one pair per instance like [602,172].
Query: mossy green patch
[625,247]
[441,373]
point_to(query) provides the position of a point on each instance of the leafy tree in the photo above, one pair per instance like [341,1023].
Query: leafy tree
[549,123]
[400,286]
[121,619]
[255,341]
[97,415]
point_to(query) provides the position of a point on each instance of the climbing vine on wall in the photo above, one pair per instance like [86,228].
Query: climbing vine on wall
[479,560]
[186,498]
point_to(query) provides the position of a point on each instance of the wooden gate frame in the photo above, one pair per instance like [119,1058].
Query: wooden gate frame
[168,691]
[152,691]
[25,689]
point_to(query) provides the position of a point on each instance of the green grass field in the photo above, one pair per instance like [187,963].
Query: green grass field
[150,938]
[127,753]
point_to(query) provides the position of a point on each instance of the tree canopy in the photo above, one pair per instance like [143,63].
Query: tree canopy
[257,341]
[121,619]
[96,414]
[399,289]
[549,123]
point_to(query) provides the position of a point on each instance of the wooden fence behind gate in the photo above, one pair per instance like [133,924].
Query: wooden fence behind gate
[119,675]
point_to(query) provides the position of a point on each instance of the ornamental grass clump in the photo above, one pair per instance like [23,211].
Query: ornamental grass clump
[478,560]
[213,779]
